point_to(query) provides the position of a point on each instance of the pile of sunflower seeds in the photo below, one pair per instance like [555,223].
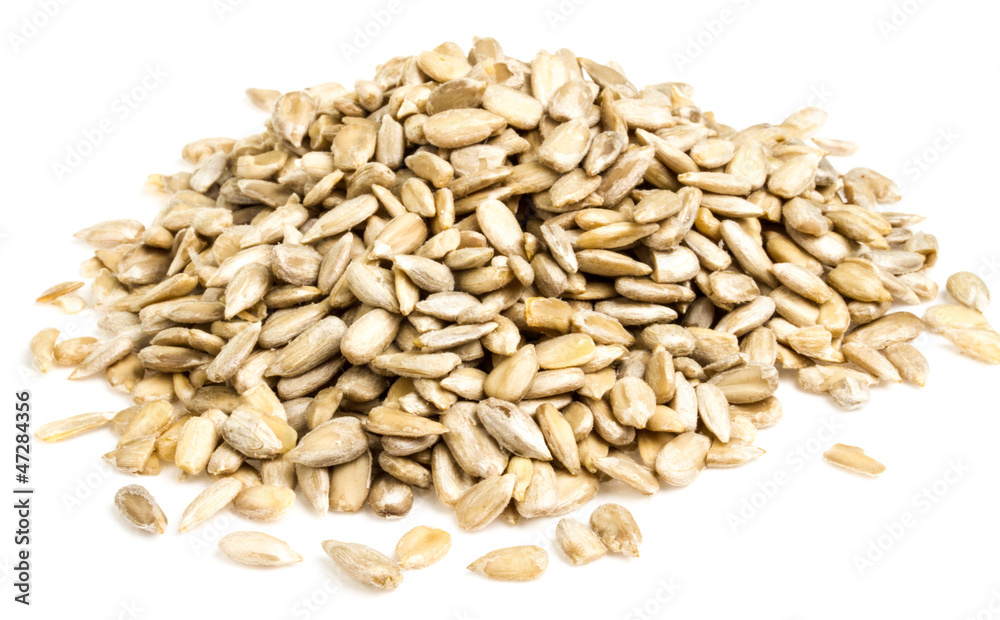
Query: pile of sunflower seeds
[506,281]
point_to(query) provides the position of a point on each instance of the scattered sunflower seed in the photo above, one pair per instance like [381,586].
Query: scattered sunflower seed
[364,564]
[257,549]
[523,563]
[138,507]
[853,459]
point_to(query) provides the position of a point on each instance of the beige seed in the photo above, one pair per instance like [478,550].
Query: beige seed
[624,468]
[292,114]
[210,501]
[909,362]
[473,448]
[871,361]
[566,146]
[890,329]
[713,408]
[111,233]
[969,290]
[103,355]
[853,459]
[523,563]
[43,348]
[233,355]
[565,351]
[364,564]
[802,281]
[681,460]
[726,455]
[195,445]
[559,436]
[617,529]
[350,484]
[421,547]
[390,498]
[633,401]
[54,292]
[513,429]
[418,365]
[748,383]
[981,344]
[580,544]
[139,509]
[257,549]
[484,502]
[953,316]
[264,502]
[461,127]
[73,426]
[450,481]
[256,435]
[511,379]
[72,351]
[338,441]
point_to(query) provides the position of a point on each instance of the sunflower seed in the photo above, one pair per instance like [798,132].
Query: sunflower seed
[580,544]
[909,362]
[263,502]
[139,509]
[257,549]
[210,501]
[484,502]
[513,429]
[338,441]
[523,563]
[969,290]
[853,459]
[421,547]
[364,564]
[617,529]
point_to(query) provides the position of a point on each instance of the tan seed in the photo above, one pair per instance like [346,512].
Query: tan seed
[139,509]
[364,564]
[421,547]
[853,459]
[617,529]
[257,549]
[523,563]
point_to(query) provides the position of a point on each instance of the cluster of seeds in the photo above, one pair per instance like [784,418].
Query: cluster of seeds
[506,281]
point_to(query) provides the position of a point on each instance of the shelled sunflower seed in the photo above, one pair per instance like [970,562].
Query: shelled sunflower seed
[507,280]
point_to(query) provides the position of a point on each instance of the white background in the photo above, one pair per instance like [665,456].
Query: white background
[895,76]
